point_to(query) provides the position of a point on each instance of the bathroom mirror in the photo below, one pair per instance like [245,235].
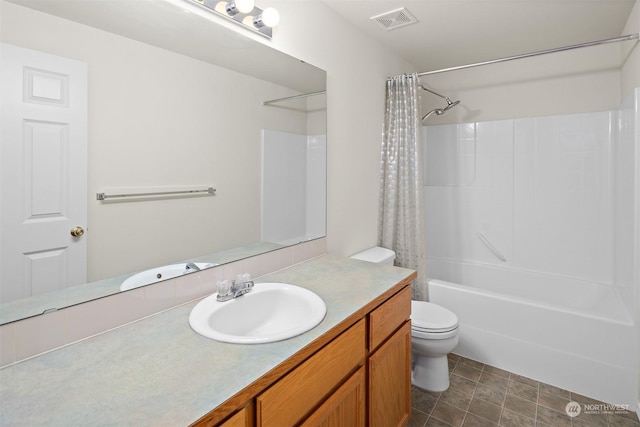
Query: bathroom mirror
[175,102]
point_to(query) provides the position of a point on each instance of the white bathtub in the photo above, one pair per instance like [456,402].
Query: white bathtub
[569,333]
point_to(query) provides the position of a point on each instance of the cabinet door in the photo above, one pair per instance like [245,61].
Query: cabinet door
[345,407]
[390,381]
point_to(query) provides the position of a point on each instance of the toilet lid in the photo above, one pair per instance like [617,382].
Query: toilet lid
[431,317]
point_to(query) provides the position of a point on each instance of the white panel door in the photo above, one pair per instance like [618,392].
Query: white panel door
[43,170]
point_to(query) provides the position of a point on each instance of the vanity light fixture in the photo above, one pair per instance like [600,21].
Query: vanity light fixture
[244,13]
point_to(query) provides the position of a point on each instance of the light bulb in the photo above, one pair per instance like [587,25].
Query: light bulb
[270,17]
[239,6]
[220,6]
[244,6]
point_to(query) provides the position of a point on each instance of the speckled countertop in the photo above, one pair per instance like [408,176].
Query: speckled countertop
[158,372]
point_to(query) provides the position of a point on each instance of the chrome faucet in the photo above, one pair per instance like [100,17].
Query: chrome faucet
[191,267]
[238,287]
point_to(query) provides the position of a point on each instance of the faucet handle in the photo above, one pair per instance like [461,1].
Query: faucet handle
[224,287]
[243,278]
[233,289]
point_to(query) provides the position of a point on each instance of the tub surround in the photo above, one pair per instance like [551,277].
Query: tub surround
[548,206]
[157,371]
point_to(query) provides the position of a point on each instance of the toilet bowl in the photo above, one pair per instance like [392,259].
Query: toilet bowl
[434,333]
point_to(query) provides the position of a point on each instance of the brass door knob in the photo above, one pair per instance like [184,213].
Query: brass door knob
[77,231]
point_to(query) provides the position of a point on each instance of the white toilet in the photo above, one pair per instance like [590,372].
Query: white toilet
[434,333]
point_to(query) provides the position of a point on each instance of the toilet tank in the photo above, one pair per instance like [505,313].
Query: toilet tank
[377,254]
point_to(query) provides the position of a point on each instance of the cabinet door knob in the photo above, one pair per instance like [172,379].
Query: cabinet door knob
[77,231]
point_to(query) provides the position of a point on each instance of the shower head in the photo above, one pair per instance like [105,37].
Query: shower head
[439,111]
[450,105]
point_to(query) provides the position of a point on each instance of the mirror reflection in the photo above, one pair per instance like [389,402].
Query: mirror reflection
[97,100]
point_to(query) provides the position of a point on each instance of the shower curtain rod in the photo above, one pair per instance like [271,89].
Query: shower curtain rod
[288,98]
[633,36]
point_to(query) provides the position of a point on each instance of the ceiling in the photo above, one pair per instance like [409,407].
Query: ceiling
[458,32]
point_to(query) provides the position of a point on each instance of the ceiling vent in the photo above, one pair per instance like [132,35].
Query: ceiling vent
[395,19]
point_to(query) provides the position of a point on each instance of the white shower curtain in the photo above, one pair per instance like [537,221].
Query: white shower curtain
[401,207]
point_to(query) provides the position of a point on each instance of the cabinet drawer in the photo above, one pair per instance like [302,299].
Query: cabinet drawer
[240,419]
[291,398]
[388,317]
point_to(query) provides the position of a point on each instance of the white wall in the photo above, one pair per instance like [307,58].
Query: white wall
[631,54]
[630,80]
[357,69]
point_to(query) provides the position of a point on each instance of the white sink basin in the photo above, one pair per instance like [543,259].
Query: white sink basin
[270,312]
[157,274]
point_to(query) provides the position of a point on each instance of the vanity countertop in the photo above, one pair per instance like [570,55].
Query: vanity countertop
[157,371]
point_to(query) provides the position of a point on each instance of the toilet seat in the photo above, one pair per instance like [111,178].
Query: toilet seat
[430,318]
[433,336]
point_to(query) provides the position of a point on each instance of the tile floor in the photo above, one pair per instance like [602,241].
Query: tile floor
[482,395]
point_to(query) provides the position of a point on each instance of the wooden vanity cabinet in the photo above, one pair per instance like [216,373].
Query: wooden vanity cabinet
[362,377]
